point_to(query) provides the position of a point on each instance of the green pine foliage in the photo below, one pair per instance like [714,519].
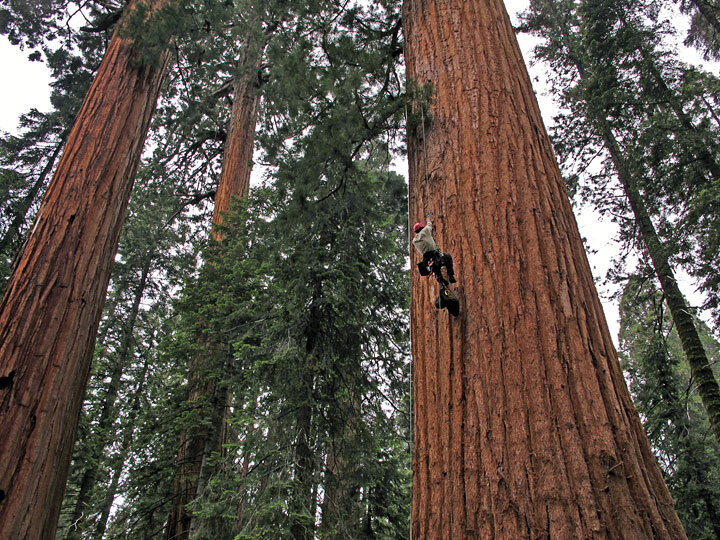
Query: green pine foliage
[704,31]
[668,403]
[306,307]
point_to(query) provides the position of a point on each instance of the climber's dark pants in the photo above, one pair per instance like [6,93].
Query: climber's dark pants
[438,260]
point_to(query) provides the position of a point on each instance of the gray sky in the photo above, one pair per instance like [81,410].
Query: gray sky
[26,87]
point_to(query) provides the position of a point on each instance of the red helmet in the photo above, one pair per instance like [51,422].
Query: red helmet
[418,226]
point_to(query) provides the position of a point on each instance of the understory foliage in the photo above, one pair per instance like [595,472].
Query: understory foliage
[306,307]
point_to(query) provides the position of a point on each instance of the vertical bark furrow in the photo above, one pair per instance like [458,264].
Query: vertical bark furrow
[559,451]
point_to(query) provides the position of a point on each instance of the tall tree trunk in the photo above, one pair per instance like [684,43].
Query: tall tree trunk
[341,511]
[237,158]
[244,468]
[693,348]
[301,504]
[107,412]
[214,439]
[524,427]
[50,311]
[336,505]
[234,182]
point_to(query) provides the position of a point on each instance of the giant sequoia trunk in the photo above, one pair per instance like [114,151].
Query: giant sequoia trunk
[50,312]
[524,427]
[196,444]
[237,158]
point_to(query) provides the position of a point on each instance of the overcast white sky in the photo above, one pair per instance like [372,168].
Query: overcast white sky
[28,86]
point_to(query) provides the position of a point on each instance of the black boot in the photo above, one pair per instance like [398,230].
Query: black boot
[448,262]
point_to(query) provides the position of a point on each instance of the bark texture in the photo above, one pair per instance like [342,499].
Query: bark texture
[196,444]
[524,427]
[50,312]
[237,158]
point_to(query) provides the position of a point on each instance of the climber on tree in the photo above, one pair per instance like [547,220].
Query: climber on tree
[433,258]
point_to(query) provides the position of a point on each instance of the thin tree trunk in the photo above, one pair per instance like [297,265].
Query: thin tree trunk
[669,393]
[692,346]
[368,533]
[234,182]
[335,506]
[107,413]
[214,438]
[243,474]
[21,210]
[341,516]
[302,500]
[524,427]
[50,312]
[119,461]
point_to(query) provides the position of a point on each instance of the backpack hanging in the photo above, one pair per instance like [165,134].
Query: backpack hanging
[448,300]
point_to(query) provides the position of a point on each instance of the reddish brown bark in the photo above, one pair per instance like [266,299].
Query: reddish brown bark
[197,443]
[237,158]
[50,312]
[524,427]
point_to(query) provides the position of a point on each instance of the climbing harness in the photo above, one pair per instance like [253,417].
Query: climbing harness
[446,299]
